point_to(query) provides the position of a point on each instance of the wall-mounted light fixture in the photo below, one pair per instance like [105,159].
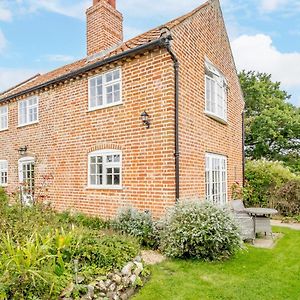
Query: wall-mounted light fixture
[145,119]
[22,150]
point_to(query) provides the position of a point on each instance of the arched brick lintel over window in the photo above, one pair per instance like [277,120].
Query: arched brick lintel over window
[104,146]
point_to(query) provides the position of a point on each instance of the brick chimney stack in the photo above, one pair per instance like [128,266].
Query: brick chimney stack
[104,26]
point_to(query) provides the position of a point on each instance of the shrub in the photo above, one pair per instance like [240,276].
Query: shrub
[80,219]
[199,230]
[3,197]
[137,224]
[287,199]
[264,179]
[105,252]
[38,250]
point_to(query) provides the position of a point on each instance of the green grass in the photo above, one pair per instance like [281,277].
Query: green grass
[253,274]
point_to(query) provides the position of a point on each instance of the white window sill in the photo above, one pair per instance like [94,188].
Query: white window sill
[28,124]
[216,118]
[4,129]
[105,106]
[4,185]
[103,187]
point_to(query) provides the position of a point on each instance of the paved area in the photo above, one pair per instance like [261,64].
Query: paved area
[267,242]
[295,226]
[152,257]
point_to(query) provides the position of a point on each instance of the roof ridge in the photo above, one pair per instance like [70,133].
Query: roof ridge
[187,15]
[20,84]
[141,39]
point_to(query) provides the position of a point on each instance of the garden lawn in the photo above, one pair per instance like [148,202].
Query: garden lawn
[252,274]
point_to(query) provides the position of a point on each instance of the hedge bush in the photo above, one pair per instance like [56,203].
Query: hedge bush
[263,180]
[287,199]
[138,224]
[199,230]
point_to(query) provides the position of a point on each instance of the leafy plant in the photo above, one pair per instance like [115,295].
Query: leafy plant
[29,270]
[137,224]
[263,180]
[39,247]
[195,229]
[287,199]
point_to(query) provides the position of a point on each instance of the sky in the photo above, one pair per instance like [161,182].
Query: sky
[37,36]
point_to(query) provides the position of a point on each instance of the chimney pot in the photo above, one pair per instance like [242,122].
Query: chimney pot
[111,2]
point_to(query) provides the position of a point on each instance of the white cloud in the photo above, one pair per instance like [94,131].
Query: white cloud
[75,9]
[9,77]
[58,57]
[3,41]
[5,14]
[272,5]
[258,53]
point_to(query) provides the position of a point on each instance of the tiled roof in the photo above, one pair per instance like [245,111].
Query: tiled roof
[139,40]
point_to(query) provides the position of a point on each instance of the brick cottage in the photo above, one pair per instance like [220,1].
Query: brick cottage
[143,122]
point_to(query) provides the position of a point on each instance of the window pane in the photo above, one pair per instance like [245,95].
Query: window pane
[93,169]
[109,77]
[109,89]
[116,179]
[109,98]
[93,159]
[109,158]
[99,101]
[99,159]
[93,92]
[99,179]
[109,179]
[99,80]
[93,179]
[92,102]
[116,158]
[93,83]
[109,171]
[116,74]
[99,169]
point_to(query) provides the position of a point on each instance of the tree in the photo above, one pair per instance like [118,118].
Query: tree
[272,125]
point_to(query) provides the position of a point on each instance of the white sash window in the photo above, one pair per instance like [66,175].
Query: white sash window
[105,169]
[105,90]
[215,92]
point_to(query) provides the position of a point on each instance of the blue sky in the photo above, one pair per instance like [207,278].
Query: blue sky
[39,35]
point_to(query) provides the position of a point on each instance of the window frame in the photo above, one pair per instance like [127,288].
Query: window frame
[3,115]
[211,73]
[3,170]
[104,85]
[105,164]
[21,161]
[209,185]
[27,111]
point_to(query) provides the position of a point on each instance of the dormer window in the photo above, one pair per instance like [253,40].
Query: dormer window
[105,90]
[215,93]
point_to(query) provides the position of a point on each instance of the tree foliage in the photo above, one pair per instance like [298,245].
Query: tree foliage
[272,125]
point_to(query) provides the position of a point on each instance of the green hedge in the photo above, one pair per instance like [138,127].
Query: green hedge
[263,180]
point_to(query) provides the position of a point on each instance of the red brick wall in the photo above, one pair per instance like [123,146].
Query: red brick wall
[203,35]
[104,27]
[67,132]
